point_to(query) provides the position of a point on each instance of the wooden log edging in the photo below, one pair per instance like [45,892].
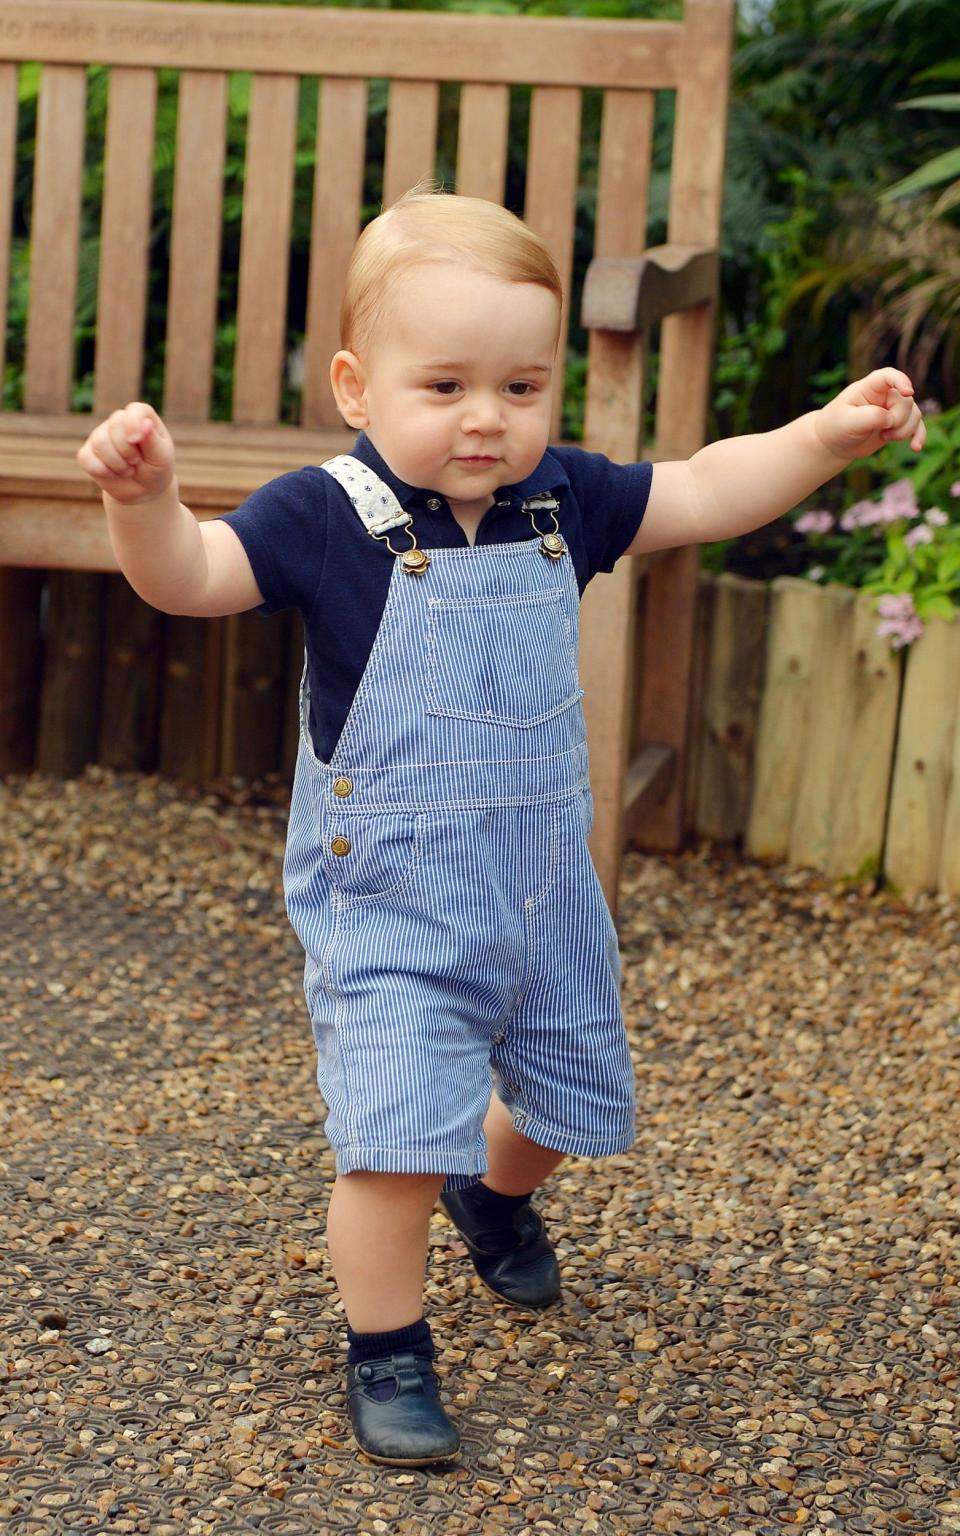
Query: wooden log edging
[922,839]
[731,693]
[856,765]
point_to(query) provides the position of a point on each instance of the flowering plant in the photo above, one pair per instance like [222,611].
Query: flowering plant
[903,545]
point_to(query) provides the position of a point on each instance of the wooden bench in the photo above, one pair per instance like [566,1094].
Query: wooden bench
[52,534]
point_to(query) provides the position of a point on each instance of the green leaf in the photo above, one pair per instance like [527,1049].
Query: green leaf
[948,565]
[945,167]
[949,69]
[937,103]
[934,607]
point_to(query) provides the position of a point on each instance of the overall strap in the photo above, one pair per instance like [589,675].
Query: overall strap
[373,501]
[378,509]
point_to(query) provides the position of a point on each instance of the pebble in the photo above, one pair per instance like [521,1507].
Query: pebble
[761,1302]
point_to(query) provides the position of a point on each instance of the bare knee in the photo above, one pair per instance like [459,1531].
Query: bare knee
[408,1189]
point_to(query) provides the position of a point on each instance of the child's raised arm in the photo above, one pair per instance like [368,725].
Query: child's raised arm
[732,487]
[173,562]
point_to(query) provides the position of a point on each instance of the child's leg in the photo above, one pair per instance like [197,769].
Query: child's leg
[505,1237]
[377,1228]
[377,1238]
[515,1164]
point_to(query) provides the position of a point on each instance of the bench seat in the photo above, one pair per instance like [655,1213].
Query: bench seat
[50,512]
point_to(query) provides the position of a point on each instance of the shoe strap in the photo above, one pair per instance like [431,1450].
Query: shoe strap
[407,1370]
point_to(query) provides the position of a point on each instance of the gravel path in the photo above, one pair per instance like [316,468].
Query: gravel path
[760,1326]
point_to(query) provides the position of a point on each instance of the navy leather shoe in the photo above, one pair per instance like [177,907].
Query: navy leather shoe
[519,1265]
[407,1427]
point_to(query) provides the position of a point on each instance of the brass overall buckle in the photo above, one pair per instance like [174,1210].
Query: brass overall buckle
[551,544]
[413,560]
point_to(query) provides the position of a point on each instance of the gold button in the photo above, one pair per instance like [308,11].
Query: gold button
[340,846]
[414,561]
[342,787]
[553,546]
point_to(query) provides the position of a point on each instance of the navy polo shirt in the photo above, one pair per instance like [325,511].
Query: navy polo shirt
[309,550]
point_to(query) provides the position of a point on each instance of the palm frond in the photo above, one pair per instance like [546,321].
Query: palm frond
[945,167]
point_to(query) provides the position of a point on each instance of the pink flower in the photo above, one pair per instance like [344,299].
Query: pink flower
[814,522]
[936,518]
[955,488]
[899,619]
[861,515]
[919,535]
[898,500]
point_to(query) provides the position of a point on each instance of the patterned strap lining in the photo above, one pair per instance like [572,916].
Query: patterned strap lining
[374,503]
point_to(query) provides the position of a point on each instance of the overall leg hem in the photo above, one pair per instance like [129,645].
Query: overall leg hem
[458,1169]
[572,1144]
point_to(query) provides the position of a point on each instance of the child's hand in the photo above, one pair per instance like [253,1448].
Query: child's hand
[876,410]
[130,455]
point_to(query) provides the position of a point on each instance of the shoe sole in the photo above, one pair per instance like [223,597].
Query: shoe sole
[519,1306]
[414,1461]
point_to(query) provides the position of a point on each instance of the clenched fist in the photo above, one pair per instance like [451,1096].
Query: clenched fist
[130,455]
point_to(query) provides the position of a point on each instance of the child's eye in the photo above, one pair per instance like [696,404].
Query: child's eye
[520,387]
[445,387]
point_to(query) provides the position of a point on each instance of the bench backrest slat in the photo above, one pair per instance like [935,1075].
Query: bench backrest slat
[482,141]
[54,237]
[8,160]
[553,159]
[125,237]
[696,197]
[393,45]
[411,154]
[615,360]
[195,245]
[337,194]
[623,178]
[265,249]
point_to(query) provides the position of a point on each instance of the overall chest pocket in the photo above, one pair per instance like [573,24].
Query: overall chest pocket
[501,660]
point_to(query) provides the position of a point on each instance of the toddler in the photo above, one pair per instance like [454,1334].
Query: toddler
[461,965]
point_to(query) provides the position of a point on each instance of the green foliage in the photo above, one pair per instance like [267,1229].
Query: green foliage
[744,356]
[817,86]
[900,542]
[929,572]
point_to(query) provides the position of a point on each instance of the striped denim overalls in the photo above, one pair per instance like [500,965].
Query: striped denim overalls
[438,877]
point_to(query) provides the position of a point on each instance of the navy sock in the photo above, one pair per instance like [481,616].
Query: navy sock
[415,1338]
[494,1212]
[486,1201]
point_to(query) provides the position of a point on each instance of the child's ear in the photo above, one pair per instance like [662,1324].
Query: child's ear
[349,388]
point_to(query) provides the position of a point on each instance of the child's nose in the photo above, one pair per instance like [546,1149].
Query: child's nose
[482,414]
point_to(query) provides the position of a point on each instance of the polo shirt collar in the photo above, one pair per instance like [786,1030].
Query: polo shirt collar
[548,476]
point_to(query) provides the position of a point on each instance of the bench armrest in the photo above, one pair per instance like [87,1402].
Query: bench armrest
[629,293]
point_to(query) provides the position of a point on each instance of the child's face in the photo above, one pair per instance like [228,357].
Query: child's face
[458,380]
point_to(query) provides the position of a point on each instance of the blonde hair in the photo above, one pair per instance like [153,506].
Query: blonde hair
[427,224]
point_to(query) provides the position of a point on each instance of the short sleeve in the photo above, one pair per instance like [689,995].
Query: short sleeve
[283,529]
[612,500]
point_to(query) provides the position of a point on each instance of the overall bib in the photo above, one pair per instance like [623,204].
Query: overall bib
[438,877]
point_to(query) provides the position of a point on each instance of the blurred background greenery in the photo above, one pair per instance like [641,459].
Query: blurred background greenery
[841,235]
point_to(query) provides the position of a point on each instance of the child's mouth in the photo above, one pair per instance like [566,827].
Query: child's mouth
[476,458]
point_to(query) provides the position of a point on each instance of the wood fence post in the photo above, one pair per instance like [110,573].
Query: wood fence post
[791,647]
[731,703]
[926,752]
